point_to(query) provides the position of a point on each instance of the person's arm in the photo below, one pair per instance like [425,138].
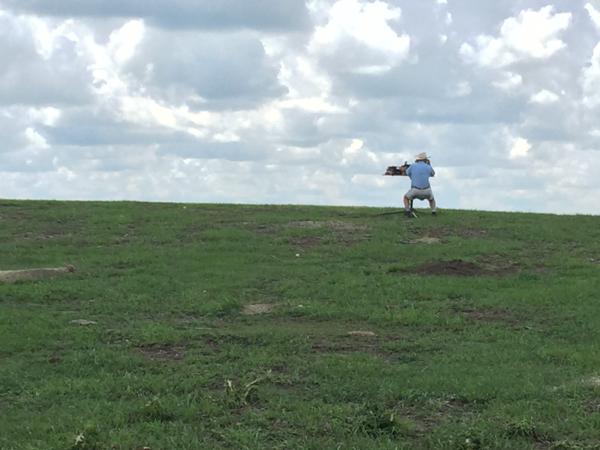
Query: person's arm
[432,172]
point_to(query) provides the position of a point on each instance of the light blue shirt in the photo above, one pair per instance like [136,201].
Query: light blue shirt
[419,174]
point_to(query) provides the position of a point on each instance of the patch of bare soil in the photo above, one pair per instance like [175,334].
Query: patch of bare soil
[491,315]
[426,240]
[362,333]
[259,308]
[162,352]
[306,242]
[11,276]
[358,341]
[458,267]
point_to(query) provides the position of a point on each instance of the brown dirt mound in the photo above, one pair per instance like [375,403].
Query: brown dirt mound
[458,267]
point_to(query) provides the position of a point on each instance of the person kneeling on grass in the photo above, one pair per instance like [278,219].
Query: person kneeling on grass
[419,174]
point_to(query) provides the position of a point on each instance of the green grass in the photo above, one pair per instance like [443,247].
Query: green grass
[505,358]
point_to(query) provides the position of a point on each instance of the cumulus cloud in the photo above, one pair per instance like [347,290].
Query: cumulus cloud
[530,35]
[544,97]
[358,37]
[41,63]
[519,147]
[594,15]
[591,80]
[205,70]
[508,81]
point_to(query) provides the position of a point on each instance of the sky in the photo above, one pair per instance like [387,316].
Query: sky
[302,102]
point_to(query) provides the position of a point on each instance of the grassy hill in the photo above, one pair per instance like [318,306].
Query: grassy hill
[297,327]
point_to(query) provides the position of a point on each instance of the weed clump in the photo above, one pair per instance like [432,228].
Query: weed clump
[376,420]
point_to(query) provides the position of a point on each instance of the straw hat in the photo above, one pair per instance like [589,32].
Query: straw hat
[421,157]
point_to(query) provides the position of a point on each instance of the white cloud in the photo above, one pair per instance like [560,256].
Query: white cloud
[519,147]
[591,80]
[42,64]
[544,97]
[530,35]
[594,15]
[46,116]
[366,25]
[35,140]
[124,41]
[509,81]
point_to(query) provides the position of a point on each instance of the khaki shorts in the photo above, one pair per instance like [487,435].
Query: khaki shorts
[421,194]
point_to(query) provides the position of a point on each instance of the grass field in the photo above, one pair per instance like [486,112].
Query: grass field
[297,327]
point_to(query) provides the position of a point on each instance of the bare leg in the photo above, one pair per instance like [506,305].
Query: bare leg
[406,203]
[432,205]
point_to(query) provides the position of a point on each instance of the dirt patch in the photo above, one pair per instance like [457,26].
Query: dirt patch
[259,308]
[11,276]
[426,240]
[306,242]
[490,315]
[361,333]
[162,352]
[208,344]
[458,267]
